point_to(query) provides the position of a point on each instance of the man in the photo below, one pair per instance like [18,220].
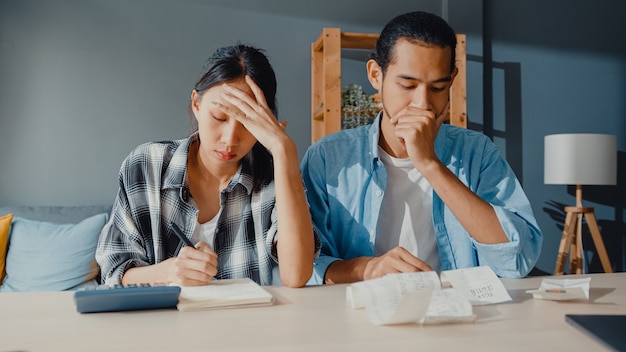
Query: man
[410,193]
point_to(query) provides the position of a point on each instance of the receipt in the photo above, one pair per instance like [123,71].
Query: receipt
[479,285]
[421,298]
[562,289]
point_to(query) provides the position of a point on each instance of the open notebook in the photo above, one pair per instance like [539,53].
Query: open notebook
[607,329]
[229,293]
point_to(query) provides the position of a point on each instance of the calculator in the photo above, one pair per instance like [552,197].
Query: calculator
[104,298]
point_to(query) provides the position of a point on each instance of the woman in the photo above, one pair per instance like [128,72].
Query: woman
[225,187]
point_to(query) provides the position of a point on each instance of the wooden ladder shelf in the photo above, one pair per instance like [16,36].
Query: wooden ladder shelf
[326,79]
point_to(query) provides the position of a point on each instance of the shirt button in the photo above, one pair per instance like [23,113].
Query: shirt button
[379,193]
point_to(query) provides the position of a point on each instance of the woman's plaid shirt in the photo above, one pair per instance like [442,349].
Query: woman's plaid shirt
[154,195]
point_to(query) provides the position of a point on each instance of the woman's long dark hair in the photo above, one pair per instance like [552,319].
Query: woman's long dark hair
[232,63]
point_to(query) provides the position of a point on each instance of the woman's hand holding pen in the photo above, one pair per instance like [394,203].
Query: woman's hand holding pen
[194,266]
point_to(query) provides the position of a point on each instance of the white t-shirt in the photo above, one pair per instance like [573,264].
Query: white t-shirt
[205,232]
[406,217]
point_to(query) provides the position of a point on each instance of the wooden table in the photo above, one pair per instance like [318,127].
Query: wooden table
[306,319]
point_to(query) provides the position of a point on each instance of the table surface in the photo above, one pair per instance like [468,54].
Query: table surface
[315,318]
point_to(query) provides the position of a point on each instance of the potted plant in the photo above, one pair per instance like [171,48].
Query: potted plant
[358,108]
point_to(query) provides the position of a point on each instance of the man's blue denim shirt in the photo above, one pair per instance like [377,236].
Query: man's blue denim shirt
[345,182]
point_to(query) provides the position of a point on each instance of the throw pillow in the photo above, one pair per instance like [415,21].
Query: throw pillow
[5,225]
[45,256]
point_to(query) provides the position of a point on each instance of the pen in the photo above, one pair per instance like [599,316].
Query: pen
[181,235]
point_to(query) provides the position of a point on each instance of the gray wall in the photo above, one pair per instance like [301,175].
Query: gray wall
[572,60]
[84,81]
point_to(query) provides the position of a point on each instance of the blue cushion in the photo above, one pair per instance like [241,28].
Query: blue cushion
[46,256]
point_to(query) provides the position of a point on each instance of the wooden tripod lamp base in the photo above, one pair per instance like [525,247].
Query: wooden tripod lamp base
[580,159]
[571,241]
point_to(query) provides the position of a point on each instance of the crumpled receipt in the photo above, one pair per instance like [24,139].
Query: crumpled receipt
[421,298]
[562,289]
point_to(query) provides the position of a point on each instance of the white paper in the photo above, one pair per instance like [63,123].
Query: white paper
[409,307]
[562,289]
[223,293]
[479,285]
[416,281]
[357,293]
[410,298]
[448,306]
[232,291]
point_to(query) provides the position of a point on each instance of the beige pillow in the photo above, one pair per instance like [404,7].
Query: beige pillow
[5,225]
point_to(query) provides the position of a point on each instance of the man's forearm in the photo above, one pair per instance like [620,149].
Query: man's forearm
[346,271]
[476,215]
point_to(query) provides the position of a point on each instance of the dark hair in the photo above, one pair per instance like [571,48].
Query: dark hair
[232,63]
[417,27]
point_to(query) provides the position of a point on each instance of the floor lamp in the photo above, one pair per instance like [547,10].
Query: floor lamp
[580,159]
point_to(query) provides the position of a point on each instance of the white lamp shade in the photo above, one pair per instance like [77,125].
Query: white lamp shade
[580,159]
